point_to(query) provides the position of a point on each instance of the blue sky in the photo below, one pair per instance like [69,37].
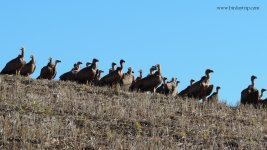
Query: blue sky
[185,37]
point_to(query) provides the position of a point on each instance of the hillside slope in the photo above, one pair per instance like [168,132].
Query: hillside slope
[40,114]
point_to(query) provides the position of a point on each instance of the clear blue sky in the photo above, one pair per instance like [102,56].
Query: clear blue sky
[185,37]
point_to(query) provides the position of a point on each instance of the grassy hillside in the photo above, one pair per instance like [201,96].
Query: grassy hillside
[40,114]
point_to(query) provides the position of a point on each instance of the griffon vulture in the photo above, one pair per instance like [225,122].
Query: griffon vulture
[87,74]
[14,66]
[28,68]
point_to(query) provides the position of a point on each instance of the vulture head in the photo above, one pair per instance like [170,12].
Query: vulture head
[208,71]
[22,53]
[57,61]
[100,71]
[22,50]
[79,63]
[263,90]
[218,88]
[253,78]
[95,60]
[122,61]
[113,64]
[164,78]
[130,70]
[50,59]
[140,71]
[153,68]
[94,63]
[88,64]
[177,82]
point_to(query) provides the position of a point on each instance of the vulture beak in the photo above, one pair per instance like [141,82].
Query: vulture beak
[211,71]
[59,61]
[253,77]
[122,61]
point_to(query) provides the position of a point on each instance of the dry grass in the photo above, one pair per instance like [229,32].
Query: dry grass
[41,114]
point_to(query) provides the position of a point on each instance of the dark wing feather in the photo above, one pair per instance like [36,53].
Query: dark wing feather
[12,66]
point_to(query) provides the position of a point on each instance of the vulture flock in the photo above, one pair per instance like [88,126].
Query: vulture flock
[154,82]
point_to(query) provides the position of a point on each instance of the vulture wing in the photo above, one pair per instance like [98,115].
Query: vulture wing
[12,66]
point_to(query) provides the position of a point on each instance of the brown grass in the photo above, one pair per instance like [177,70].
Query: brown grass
[42,114]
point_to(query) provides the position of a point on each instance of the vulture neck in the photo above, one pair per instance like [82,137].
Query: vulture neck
[94,65]
[159,70]
[151,71]
[56,64]
[261,94]
[77,67]
[140,76]
[121,65]
[22,54]
[191,83]
[208,78]
[217,91]
[113,67]
[164,81]
[208,75]
[33,60]
[252,83]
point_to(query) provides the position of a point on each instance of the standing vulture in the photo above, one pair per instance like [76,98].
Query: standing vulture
[202,88]
[49,71]
[184,93]
[87,74]
[137,83]
[171,87]
[128,78]
[214,98]
[114,77]
[28,68]
[71,75]
[250,95]
[149,83]
[14,66]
